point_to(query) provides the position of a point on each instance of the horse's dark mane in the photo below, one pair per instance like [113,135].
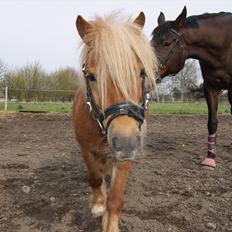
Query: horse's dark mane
[210,15]
[191,22]
[162,29]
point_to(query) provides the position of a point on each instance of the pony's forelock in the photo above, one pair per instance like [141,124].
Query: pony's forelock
[117,46]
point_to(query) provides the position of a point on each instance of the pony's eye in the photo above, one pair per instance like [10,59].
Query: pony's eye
[166,43]
[142,73]
[91,77]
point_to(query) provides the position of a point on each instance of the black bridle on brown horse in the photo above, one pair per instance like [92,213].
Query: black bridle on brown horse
[170,53]
[113,111]
[172,50]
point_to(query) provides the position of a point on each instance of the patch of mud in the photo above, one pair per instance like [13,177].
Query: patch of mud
[167,189]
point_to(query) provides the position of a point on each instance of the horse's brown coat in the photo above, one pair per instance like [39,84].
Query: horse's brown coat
[206,37]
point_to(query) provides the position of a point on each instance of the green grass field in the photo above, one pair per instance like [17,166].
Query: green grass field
[155,108]
[186,108]
[50,107]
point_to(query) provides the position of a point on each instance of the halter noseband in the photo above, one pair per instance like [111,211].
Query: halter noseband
[172,50]
[115,110]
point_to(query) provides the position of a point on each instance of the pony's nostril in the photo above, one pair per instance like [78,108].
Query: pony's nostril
[134,143]
[126,144]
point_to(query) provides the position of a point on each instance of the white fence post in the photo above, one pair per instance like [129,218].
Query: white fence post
[6,98]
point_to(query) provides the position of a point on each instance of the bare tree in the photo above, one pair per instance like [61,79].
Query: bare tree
[166,88]
[186,79]
[182,84]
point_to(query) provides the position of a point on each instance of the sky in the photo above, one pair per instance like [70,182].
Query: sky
[44,30]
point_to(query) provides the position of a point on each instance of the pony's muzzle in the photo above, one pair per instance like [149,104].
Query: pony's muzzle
[125,148]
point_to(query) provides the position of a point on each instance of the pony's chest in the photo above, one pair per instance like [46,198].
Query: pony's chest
[103,154]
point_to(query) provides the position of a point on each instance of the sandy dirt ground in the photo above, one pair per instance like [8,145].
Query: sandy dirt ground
[43,185]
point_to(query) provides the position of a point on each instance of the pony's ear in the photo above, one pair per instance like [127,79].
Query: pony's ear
[161,18]
[181,18]
[140,20]
[83,27]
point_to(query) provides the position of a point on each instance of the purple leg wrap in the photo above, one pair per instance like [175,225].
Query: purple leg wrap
[212,145]
[210,160]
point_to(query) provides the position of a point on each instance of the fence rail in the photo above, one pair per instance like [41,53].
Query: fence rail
[11,97]
[36,95]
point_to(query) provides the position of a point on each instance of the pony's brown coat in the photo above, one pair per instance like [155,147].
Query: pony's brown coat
[115,51]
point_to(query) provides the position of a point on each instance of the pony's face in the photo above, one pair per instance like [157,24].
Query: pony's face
[115,60]
[168,43]
[124,134]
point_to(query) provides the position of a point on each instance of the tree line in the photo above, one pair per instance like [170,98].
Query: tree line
[32,83]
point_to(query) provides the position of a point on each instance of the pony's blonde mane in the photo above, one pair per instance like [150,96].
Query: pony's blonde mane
[119,49]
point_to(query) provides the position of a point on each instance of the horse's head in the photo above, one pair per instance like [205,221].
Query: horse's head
[119,65]
[167,39]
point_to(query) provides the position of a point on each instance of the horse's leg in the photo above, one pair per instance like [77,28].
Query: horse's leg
[97,183]
[230,99]
[119,178]
[211,96]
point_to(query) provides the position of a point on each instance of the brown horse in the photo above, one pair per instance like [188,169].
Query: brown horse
[108,111]
[208,38]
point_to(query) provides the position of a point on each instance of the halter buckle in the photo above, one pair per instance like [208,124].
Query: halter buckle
[83,68]
[147,100]
[103,130]
[89,106]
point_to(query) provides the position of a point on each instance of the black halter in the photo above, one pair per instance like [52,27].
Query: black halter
[170,53]
[113,111]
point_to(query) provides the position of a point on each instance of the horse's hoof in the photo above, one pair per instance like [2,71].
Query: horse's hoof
[98,210]
[209,164]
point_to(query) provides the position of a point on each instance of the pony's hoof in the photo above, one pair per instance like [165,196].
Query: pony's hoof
[98,210]
[209,164]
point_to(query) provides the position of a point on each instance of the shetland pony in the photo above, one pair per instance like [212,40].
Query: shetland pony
[109,106]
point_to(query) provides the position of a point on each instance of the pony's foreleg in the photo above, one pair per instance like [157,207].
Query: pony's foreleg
[211,96]
[99,200]
[97,183]
[119,178]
